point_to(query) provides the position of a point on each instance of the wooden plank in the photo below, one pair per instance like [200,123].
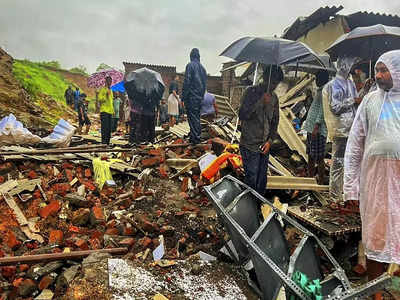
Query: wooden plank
[294,100]
[296,89]
[279,166]
[289,135]
[310,216]
[294,183]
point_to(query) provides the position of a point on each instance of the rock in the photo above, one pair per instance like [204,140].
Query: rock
[65,279]
[45,295]
[196,269]
[77,200]
[81,217]
[27,288]
[36,272]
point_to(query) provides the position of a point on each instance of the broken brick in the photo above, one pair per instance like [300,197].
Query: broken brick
[112,231]
[45,282]
[27,288]
[17,282]
[2,179]
[69,174]
[12,241]
[51,209]
[23,268]
[74,229]
[95,243]
[61,188]
[127,242]
[56,237]
[67,165]
[80,217]
[145,242]
[82,244]
[150,162]
[88,173]
[32,174]
[8,271]
[129,230]
[90,185]
[185,184]
[96,215]
[163,170]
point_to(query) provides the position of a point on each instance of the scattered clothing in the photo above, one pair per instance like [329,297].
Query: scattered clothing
[372,167]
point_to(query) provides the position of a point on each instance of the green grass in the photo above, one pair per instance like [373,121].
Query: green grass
[37,79]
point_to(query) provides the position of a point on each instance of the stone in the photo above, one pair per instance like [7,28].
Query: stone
[45,295]
[81,217]
[77,200]
[27,288]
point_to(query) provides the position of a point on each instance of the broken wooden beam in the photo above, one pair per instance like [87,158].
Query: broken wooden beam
[294,183]
[32,259]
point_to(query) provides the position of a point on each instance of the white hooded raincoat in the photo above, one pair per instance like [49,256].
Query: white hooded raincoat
[372,167]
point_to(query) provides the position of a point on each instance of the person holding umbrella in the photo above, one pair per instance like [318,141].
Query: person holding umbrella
[259,116]
[105,97]
[372,166]
[194,88]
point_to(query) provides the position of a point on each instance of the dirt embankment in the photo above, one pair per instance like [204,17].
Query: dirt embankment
[13,98]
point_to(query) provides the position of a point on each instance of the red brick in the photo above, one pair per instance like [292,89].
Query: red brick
[156,152]
[69,174]
[51,209]
[129,230]
[56,237]
[88,173]
[23,268]
[2,253]
[111,224]
[27,288]
[45,282]
[112,231]
[128,242]
[12,241]
[67,165]
[185,184]
[163,171]
[82,244]
[17,282]
[2,179]
[145,242]
[150,162]
[96,215]
[8,271]
[32,174]
[95,243]
[72,228]
[80,217]
[90,185]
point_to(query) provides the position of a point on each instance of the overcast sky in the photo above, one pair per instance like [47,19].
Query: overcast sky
[91,32]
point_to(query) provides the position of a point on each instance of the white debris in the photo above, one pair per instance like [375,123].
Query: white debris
[13,132]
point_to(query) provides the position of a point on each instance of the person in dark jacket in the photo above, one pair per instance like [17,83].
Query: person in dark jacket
[259,116]
[194,88]
[69,96]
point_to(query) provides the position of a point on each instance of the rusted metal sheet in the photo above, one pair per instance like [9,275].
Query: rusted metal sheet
[330,228]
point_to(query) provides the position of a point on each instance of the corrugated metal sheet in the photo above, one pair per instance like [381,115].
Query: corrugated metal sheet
[363,18]
[302,25]
[224,107]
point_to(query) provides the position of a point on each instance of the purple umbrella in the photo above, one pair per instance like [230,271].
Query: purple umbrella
[97,80]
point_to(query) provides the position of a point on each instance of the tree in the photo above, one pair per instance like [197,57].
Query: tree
[81,69]
[103,66]
[52,63]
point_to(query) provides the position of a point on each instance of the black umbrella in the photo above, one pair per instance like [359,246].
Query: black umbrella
[268,50]
[366,42]
[312,65]
[144,85]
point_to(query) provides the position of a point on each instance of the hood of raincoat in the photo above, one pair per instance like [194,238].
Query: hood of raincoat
[195,54]
[391,60]
[344,65]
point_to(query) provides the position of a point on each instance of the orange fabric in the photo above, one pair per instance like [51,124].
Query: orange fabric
[215,166]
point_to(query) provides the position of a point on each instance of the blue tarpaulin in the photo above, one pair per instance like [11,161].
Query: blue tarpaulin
[119,87]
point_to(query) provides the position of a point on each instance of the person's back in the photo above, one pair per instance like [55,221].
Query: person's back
[194,86]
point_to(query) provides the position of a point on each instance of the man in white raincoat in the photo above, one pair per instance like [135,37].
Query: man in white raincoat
[372,166]
[339,103]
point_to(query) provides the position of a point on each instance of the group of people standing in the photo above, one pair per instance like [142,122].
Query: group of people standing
[363,124]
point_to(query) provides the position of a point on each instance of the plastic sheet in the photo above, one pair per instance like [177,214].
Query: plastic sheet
[372,167]
[13,132]
[61,135]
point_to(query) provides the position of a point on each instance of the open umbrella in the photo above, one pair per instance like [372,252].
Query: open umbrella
[97,80]
[311,65]
[267,50]
[144,85]
[119,87]
[366,42]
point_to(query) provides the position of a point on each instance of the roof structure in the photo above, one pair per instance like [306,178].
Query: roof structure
[302,25]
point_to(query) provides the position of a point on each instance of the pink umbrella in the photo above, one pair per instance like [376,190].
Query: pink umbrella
[97,80]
